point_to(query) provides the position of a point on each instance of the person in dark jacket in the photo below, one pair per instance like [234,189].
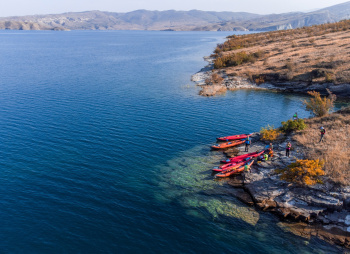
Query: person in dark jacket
[288,147]
[247,144]
[323,131]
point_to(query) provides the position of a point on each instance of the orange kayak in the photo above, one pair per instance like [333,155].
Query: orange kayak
[227,173]
[229,166]
[228,144]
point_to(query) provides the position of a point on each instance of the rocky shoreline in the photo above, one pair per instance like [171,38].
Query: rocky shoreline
[227,84]
[322,210]
[236,82]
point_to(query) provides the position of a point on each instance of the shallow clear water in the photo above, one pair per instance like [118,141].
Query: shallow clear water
[104,147]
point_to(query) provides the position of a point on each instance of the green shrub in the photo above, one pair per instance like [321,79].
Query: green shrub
[259,54]
[236,59]
[219,62]
[329,77]
[293,125]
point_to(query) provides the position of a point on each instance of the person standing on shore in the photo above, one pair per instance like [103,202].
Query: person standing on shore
[270,153]
[323,131]
[295,116]
[288,147]
[246,171]
[247,143]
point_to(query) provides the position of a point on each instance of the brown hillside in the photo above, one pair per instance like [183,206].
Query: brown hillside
[335,149]
[311,54]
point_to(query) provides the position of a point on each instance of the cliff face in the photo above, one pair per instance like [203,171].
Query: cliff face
[20,25]
[136,20]
[171,20]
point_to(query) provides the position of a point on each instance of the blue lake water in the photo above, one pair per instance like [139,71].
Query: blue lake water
[104,147]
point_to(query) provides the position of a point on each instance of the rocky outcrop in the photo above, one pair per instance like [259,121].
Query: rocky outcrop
[20,25]
[205,73]
[24,25]
[229,83]
[324,207]
[341,90]
[212,90]
[237,82]
[200,77]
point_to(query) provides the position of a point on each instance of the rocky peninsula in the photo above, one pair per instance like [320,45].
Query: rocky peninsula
[307,59]
[298,60]
[321,210]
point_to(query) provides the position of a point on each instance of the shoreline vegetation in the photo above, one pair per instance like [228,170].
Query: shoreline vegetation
[310,189]
[317,206]
[299,60]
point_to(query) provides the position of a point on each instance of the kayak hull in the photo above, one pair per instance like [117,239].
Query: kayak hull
[234,137]
[242,157]
[238,170]
[227,144]
[230,173]
[229,166]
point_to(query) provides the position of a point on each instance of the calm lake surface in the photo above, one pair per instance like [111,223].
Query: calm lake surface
[104,147]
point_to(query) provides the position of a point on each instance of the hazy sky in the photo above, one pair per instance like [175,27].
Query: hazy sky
[28,7]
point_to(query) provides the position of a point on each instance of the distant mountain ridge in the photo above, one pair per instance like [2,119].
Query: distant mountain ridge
[298,19]
[136,20]
[193,20]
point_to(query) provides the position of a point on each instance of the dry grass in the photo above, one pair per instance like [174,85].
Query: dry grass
[335,149]
[319,53]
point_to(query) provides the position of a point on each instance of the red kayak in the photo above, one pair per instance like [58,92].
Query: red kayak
[229,166]
[234,137]
[227,173]
[243,157]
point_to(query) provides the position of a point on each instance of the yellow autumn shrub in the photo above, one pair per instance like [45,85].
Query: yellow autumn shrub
[269,133]
[320,106]
[303,172]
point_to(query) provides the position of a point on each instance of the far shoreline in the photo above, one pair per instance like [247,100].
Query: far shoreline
[297,60]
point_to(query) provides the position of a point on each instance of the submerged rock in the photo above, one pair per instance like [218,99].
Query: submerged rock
[211,90]
[186,180]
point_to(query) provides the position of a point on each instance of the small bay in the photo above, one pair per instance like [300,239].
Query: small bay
[104,147]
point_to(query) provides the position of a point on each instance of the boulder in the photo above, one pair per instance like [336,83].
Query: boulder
[346,204]
[244,197]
